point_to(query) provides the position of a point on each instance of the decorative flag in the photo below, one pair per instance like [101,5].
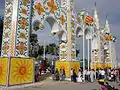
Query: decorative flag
[108,37]
[89,20]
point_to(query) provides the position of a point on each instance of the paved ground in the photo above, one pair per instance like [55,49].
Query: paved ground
[60,85]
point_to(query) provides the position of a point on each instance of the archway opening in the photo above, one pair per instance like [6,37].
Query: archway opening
[46,43]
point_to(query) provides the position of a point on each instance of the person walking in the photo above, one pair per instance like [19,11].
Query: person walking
[40,70]
[103,86]
[79,79]
[63,76]
[92,74]
[74,76]
[53,73]
[88,75]
[57,75]
[71,74]
[116,75]
[84,74]
[102,73]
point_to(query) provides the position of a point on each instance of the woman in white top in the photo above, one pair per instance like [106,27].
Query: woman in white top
[92,74]
[79,79]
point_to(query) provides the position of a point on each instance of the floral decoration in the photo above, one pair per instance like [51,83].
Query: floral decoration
[6,35]
[89,20]
[38,7]
[62,19]
[24,11]
[22,35]
[73,24]
[8,10]
[9,1]
[5,47]
[7,23]
[25,2]
[52,6]
[23,23]
[21,47]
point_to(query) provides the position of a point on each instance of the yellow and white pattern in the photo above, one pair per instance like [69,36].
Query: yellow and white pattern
[3,70]
[21,71]
[67,65]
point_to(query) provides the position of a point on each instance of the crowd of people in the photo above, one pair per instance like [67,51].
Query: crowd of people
[58,76]
[87,75]
[75,77]
[100,75]
[108,74]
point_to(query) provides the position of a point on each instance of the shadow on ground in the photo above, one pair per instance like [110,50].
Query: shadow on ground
[44,77]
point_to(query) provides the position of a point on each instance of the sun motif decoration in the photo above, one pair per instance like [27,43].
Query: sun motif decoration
[22,71]
[38,7]
[25,2]
[76,66]
[23,23]
[62,19]
[63,65]
[52,6]
[21,48]
[3,71]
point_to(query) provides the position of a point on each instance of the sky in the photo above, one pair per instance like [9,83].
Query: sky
[104,7]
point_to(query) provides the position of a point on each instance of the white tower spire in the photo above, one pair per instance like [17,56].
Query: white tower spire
[107,26]
[95,15]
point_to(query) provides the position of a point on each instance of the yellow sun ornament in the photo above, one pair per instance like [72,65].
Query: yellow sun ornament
[22,71]
[3,70]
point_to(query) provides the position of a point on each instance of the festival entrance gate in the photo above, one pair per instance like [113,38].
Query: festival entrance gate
[22,17]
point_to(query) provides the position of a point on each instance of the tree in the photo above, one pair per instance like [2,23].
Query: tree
[39,58]
[34,46]
[33,39]
[77,52]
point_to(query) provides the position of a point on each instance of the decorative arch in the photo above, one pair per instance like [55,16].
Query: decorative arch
[30,15]
[54,25]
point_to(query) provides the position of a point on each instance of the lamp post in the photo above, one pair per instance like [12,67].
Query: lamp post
[82,16]
[88,54]
[44,50]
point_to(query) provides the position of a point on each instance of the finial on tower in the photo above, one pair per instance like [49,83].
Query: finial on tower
[95,15]
[106,16]
[95,4]
[107,26]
